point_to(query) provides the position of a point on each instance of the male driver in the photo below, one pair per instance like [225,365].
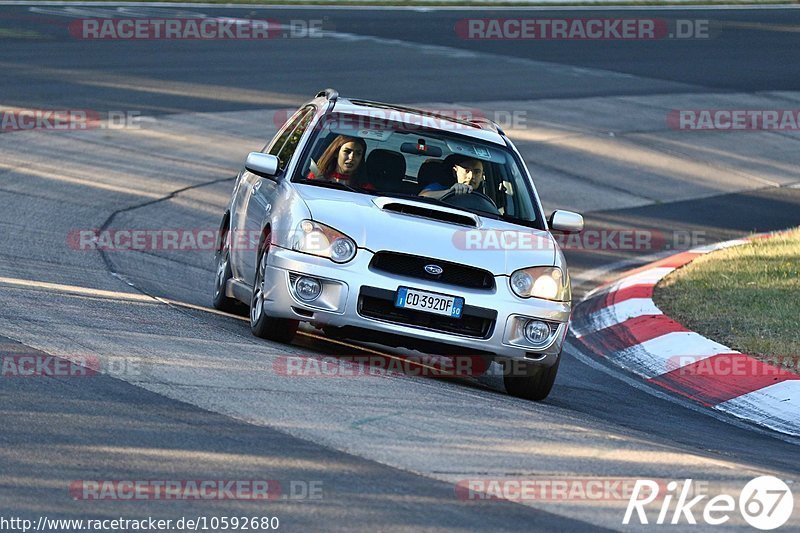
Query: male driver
[469,177]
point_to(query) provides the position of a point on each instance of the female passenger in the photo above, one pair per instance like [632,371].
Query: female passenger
[341,160]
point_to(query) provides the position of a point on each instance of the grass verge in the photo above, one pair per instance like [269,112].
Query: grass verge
[746,297]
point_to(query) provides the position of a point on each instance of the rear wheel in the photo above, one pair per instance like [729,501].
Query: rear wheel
[266,327]
[223,274]
[534,385]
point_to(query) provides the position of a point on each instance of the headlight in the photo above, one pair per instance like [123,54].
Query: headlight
[318,239]
[548,283]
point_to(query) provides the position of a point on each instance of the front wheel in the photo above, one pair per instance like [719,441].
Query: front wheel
[223,273]
[534,385]
[266,327]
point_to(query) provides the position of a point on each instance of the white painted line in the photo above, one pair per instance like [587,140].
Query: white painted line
[617,314]
[76,290]
[588,276]
[646,277]
[668,352]
[718,246]
[597,291]
[776,406]
[612,370]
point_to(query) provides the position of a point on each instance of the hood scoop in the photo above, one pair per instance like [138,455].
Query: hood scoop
[421,210]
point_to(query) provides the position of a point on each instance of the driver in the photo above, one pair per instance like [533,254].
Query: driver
[468,173]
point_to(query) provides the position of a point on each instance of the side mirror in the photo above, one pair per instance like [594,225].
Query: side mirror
[264,165]
[566,222]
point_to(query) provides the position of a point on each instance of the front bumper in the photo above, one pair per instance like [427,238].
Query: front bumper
[354,295]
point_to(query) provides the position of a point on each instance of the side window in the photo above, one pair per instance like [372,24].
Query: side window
[288,149]
[285,144]
[521,204]
[279,140]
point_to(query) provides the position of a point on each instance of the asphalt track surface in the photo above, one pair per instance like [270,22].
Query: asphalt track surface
[204,405]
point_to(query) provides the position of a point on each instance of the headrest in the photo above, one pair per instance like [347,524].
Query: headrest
[386,169]
[434,171]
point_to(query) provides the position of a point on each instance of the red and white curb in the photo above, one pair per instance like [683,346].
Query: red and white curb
[620,322]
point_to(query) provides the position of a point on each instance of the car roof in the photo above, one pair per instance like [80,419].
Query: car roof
[480,128]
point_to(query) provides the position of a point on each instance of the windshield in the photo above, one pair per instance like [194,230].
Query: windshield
[365,155]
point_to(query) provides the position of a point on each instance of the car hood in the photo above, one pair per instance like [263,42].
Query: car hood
[374,223]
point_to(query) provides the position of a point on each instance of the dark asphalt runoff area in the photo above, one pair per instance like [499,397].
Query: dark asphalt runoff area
[57,430]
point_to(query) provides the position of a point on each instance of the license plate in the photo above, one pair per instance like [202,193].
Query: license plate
[429,302]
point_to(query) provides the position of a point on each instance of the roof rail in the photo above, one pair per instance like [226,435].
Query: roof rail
[485,123]
[329,94]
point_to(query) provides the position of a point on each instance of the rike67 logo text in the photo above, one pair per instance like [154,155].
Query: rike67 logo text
[765,503]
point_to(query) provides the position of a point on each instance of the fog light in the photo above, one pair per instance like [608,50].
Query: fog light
[536,331]
[308,289]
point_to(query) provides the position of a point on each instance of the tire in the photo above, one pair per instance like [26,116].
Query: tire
[332,332]
[274,329]
[222,274]
[536,385]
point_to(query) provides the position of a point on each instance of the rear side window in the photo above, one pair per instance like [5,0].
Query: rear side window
[284,146]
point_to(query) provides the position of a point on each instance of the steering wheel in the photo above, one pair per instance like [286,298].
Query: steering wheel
[473,200]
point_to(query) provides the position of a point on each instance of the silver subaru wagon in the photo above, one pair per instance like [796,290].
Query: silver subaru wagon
[399,226]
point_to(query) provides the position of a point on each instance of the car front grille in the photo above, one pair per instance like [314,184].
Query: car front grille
[414,266]
[379,304]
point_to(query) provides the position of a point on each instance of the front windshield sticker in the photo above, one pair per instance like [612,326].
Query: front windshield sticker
[481,152]
[378,135]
